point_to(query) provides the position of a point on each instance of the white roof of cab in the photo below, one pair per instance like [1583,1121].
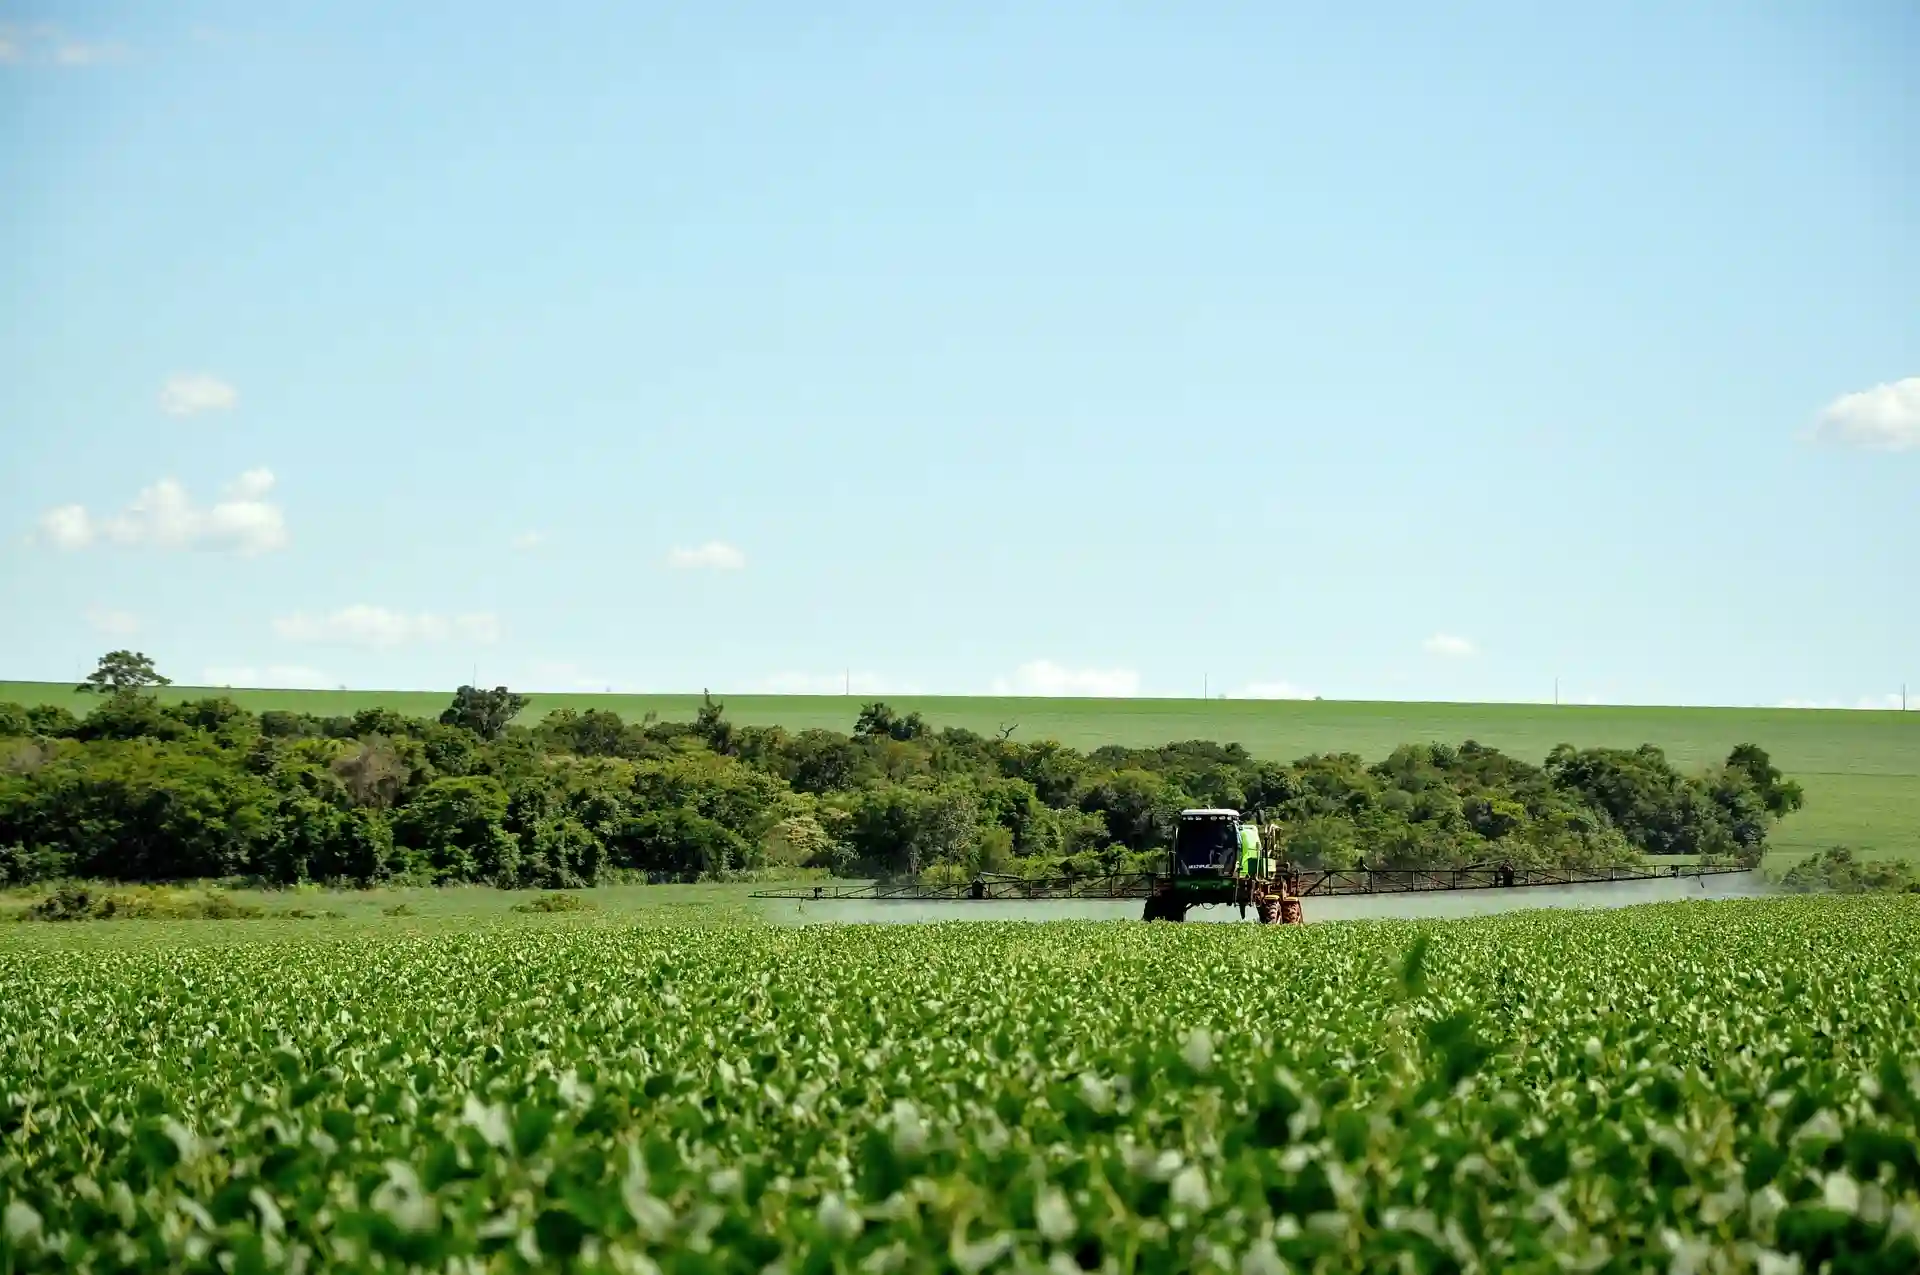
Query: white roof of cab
[1211,810]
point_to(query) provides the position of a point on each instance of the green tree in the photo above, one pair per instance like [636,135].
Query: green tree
[677,843]
[449,750]
[594,733]
[123,671]
[459,827]
[1782,796]
[800,841]
[384,722]
[1138,805]
[485,713]
[878,721]
[131,715]
[734,795]
[141,810]
[711,724]
[561,853]
[822,761]
[52,720]
[278,723]
[217,715]
[1051,767]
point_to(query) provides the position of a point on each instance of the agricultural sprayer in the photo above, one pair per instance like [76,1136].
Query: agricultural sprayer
[1220,857]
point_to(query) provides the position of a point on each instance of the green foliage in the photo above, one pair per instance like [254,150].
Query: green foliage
[84,903]
[878,721]
[140,810]
[710,724]
[485,713]
[140,790]
[1780,795]
[1665,812]
[456,828]
[1837,871]
[594,733]
[676,844]
[1727,1087]
[52,721]
[555,902]
[129,715]
[121,671]
[1860,771]
[800,841]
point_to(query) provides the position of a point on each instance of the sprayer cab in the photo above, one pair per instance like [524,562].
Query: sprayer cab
[1214,845]
[1218,857]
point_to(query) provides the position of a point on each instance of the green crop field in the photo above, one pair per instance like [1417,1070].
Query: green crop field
[1709,1087]
[1861,770]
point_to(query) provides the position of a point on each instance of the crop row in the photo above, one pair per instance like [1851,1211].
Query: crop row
[1699,1087]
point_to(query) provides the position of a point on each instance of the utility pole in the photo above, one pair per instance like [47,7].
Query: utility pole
[1204,687]
[1556,692]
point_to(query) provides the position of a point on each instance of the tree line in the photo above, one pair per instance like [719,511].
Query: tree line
[137,790]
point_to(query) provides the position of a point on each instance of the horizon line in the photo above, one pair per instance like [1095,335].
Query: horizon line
[181,687]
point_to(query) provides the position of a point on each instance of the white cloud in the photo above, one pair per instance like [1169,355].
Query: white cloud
[562,675]
[379,628]
[67,527]
[117,623]
[87,52]
[252,485]
[1449,645]
[1885,418]
[164,516]
[276,677]
[190,393]
[858,683]
[528,541]
[45,43]
[1270,690]
[715,555]
[1053,681]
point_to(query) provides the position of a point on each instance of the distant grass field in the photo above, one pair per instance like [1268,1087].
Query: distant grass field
[1861,770]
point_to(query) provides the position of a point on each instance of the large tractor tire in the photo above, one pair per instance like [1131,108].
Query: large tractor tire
[1269,909]
[1163,907]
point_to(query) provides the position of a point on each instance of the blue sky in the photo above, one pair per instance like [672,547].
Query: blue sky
[1362,351]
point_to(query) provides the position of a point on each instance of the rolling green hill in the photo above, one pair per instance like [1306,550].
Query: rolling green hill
[1861,770]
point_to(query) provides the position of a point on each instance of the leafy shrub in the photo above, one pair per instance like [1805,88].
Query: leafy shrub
[1836,871]
[82,903]
[556,902]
